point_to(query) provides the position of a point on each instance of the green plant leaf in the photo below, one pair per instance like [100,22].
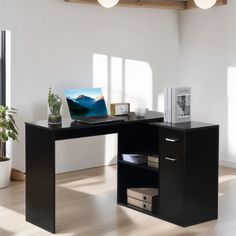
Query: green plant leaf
[8,128]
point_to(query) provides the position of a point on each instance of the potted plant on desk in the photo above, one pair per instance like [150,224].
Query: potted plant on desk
[54,108]
[8,130]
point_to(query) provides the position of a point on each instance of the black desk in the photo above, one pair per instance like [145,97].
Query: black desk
[134,135]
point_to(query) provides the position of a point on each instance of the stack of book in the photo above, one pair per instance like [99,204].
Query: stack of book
[144,198]
[153,161]
[135,158]
[177,107]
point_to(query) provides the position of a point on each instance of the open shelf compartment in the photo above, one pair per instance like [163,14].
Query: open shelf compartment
[135,176]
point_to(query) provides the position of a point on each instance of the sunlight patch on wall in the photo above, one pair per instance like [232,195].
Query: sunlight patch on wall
[100,73]
[138,84]
[116,79]
[123,80]
[231,88]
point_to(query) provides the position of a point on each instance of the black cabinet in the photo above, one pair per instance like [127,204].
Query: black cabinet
[187,177]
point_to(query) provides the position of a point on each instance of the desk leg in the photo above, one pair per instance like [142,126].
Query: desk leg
[40,178]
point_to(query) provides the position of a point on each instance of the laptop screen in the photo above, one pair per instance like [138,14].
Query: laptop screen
[87,102]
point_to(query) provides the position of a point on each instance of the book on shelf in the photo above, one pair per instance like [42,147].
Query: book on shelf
[166,104]
[153,158]
[135,158]
[140,204]
[169,102]
[144,198]
[144,194]
[177,104]
[153,164]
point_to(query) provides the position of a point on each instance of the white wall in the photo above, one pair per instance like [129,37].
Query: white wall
[132,53]
[208,47]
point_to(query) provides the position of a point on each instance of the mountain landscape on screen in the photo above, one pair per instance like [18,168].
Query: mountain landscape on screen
[81,105]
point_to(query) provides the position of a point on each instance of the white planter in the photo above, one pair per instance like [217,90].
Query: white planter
[5,173]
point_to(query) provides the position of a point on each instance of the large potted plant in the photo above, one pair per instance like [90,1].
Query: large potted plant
[8,130]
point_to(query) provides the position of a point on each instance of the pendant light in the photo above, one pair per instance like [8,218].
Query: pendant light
[205,4]
[108,3]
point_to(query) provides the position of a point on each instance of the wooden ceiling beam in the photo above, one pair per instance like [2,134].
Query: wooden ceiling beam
[163,4]
[190,4]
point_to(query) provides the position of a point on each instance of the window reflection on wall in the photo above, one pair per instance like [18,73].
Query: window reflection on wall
[123,80]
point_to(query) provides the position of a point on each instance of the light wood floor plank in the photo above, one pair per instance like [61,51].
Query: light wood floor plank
[86,205]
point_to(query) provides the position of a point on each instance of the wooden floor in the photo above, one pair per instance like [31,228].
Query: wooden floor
[86,205]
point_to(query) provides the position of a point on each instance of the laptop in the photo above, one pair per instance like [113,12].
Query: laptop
[88,106]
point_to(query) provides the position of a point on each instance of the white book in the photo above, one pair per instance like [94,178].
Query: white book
[181,104]
[166,104]
[135,158]
[169,104]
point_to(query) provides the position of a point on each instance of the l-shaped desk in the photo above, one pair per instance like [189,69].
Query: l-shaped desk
[187,177]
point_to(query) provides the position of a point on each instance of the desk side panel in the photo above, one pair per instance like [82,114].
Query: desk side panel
[40,178]
[201,191]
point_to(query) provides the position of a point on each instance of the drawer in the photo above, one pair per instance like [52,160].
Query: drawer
[171,142]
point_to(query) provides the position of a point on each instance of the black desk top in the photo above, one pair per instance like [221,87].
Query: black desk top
[70,124]
[184,126]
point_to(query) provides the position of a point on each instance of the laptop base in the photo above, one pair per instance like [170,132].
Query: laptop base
[97,120]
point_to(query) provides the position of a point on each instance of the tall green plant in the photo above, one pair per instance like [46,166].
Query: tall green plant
[8,128]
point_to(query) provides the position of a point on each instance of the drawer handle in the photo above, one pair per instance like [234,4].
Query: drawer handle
[170,158]
[172,140]
[144,206]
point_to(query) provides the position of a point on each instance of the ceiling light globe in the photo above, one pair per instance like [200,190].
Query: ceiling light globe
[205,4]
[108,3]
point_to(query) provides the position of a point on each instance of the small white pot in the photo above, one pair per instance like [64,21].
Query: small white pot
[5,173]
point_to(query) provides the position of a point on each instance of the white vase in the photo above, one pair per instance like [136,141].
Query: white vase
[5,173]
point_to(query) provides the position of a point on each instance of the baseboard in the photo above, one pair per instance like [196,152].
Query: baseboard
[227,163]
